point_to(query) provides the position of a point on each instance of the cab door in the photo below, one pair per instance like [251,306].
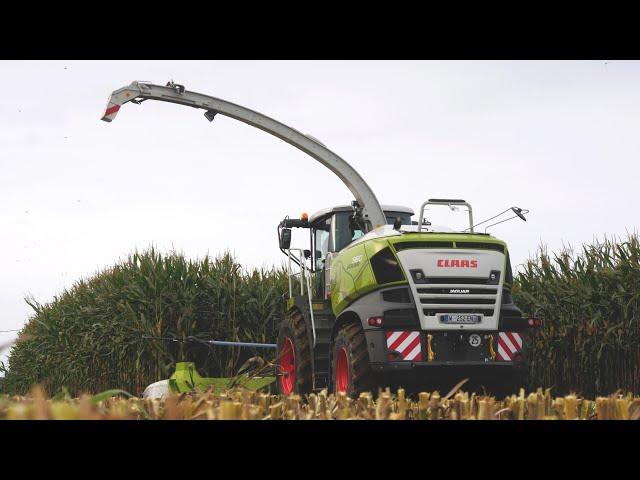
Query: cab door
[320,250]
[342,234]
[330,235]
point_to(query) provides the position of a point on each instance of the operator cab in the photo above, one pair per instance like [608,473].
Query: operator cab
[331,230]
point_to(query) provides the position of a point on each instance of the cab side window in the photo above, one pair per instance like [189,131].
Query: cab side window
[343,232]
[320,250]
[321,243]
[405,218]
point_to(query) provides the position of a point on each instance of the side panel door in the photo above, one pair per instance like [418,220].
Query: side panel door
[351,276]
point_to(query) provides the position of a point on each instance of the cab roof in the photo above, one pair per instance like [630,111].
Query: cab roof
[348,208]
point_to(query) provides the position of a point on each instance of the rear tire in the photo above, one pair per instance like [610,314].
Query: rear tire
[294,355]
[350,369]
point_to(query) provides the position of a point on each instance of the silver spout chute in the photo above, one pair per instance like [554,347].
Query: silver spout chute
[371,212]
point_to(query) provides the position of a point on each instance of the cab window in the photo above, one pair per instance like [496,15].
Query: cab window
[321,243]
[343,233]
[405,218]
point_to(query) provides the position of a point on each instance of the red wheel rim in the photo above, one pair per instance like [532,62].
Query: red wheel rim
[287,367]
[342,371]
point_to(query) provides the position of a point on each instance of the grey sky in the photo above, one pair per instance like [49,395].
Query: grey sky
[559,138]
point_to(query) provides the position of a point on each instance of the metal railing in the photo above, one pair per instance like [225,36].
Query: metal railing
[450,203]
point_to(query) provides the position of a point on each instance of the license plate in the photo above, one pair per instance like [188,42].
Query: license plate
[460,318]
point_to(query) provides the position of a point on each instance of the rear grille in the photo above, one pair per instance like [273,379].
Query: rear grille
[464,290]
[456,300]
[430,312]
[458,280]
[452,295]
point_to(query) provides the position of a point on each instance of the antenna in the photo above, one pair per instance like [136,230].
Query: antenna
[519,213]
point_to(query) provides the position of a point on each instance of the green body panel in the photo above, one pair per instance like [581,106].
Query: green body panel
[187,379]
[351,272]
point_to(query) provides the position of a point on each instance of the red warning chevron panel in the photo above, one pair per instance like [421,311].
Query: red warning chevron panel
[509,343]
[406,343]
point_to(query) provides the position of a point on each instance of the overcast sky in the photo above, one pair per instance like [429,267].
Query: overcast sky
[559,138]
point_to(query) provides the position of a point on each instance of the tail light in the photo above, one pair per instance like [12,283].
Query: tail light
[518,357]
[535,322]
[375,321]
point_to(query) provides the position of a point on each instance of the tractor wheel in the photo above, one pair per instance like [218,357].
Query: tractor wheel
[350,368]
[294,355]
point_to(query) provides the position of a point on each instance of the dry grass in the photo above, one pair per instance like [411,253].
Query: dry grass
[242,404]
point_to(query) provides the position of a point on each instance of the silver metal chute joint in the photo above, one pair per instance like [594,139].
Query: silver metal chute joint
[370,210]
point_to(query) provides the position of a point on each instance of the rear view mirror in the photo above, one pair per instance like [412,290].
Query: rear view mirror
[519,212]
[285,238]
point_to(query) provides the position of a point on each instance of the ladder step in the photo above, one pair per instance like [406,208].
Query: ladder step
[322,338]
[321,380]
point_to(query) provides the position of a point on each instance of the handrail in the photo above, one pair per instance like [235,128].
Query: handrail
[434,201]
[305,278]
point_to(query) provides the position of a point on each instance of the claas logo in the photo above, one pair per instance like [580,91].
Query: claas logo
[447,263]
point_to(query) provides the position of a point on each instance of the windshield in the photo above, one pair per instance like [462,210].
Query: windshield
[405,218]
[344,235]
[456,217]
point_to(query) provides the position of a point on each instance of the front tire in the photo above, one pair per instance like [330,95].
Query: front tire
[294,355]
[351,372]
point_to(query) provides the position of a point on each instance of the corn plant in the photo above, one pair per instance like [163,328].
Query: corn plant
[590,301]
[92,336]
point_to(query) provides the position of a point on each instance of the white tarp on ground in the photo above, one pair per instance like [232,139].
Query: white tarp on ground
[157,390]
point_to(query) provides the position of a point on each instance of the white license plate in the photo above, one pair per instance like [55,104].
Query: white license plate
[458,318]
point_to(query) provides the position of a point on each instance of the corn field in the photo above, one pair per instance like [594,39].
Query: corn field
[90,338]
[242,404]
[590,301]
